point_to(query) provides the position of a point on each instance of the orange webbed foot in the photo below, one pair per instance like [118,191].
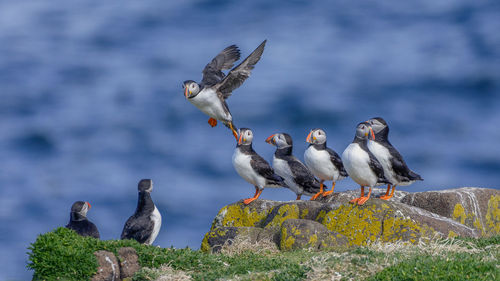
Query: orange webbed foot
[212,122]
[354,201]
[316,195]
[235,134]
[248,200]
[362,200]
[327,193]
[386,197]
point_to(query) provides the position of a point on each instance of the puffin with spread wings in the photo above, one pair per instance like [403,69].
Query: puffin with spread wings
[210,95]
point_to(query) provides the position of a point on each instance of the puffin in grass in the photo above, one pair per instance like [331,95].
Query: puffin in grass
[323,162]
[78,220]
[252,167]
[210,95]
[361,165]
[395,169]
[296,175]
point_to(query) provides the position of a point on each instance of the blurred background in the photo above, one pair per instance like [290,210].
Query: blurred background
[92,102]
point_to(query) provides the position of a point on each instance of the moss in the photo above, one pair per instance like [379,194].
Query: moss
[493,215]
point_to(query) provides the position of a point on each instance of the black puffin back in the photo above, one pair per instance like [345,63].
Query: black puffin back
[140,226]
[80,224]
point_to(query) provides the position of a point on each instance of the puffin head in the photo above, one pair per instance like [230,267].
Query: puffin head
[316,136]
[363,130]
[145,185]
[191,89]
[81,208]
[245,136]
[378,124]
[281,140]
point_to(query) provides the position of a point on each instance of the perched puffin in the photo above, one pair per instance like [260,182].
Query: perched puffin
[361,165]
[145,223]
[297,177]
[210,95]
[252,167]
[323,162]
[78,220]
[395,169]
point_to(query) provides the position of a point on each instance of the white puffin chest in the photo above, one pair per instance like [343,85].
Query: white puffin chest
[283,170]
[384,157]
[357,164]
[318,161]
[156,218]
[209,103]
[243,167]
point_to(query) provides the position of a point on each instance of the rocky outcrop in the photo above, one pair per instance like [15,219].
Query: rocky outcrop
[477,208]
[333,222]
[113,269]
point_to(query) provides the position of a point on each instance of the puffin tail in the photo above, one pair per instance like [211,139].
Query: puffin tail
[277,181]
[414,176]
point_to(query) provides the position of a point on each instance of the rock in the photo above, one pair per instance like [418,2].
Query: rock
[239,214]
[129,262]
[308,234]
[474,207]
[346,196]
[216,238]
[109,269]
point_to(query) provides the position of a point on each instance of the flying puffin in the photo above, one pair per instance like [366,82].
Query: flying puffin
[395,169]
[145,223]
[297,177]
[361,165]
[210,95]
[78,220]
[252,167]
[323,162]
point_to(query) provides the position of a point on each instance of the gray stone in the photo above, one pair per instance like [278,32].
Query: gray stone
[109,269]
[129,262]
[308,234]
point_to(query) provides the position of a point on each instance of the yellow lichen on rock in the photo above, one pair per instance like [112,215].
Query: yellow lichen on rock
[287,241]
[237,215]
[286,211]
[459,213]
[493,215]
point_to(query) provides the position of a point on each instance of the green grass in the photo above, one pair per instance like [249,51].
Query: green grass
[64,255]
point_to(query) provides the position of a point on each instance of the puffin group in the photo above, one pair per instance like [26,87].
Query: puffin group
[370,160]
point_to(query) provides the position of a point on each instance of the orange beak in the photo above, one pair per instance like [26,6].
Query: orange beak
[186,92]
[308,139]
[89,205]
[270,139]
[372,134]
[239,140]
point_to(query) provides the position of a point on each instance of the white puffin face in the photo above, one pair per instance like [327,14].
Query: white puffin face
[80,207]
[245,136]
[191,88]
[316,136]
[280,140]
[363,130]
[377,125]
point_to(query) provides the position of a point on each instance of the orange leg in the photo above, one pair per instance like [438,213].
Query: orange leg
[386,196]
[298,196]
[212,122]
[355,200]
[257,194]
[320,191]
[330,191]
[363,199]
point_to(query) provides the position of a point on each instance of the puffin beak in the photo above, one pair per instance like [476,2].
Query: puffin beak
[270,139]
[186,92]
[308,139]
[89,205]
[372,134]
[239,140]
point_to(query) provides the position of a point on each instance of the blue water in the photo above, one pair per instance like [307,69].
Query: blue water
[91,102]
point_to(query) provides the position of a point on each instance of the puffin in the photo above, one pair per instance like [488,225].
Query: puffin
[144,225]
[323,162]
[210,95]
[296,175]
[395,169]
[78,220]
[361,165]
[252,167]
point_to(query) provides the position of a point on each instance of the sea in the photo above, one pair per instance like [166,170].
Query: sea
[91,101]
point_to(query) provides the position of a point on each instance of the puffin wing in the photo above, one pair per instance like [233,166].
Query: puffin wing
[377,168]
[337,162]
[212,73]
[400,168]
[264,169]
[138,228]
[303,176]
[239,74]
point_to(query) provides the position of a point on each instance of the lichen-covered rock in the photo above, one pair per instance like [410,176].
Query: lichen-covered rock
[129,262]
[109,269]
[239,214]
[475,207]
[216,238]
[345,196]
[308,234]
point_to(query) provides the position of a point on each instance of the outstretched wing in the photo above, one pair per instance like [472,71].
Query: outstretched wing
[239,74]
[212,73]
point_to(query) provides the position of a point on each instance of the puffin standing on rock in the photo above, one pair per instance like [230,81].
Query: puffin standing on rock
[395,169]
[297,177]
[144,225]
[210,95]
[78,220]
[323,162]
[252,167]
[361,165]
